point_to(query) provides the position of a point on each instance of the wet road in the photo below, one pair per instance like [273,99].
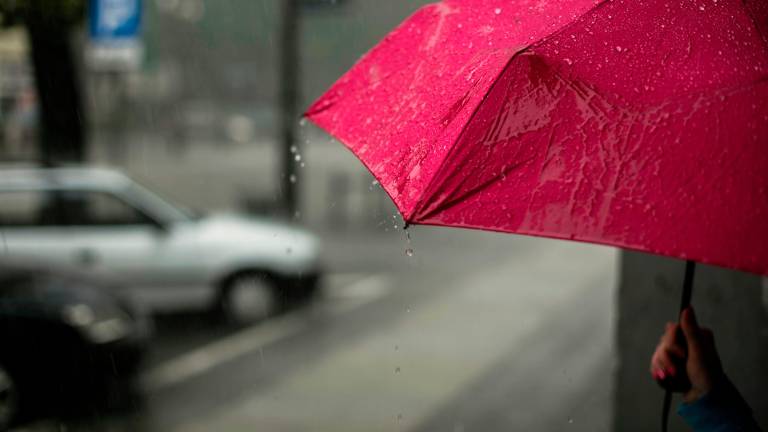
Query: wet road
[476,331]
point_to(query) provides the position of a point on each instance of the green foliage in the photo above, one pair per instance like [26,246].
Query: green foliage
[54,12]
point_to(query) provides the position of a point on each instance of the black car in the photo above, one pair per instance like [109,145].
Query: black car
[67,342]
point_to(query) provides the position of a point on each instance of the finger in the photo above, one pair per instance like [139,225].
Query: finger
[663,365]
[691,330]
[676,350]
[668,338]
[670,342]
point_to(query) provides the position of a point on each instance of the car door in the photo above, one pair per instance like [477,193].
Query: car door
[31,228]
[109,234]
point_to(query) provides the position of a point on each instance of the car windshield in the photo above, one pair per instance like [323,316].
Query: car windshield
[160,207]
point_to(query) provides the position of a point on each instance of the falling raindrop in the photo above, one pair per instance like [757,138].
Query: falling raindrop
[397,370]
[303,122]
[302,165]
[292,178]
[399,418]
[297,158]
[570,421]
[397,347]
[288,251]
[293,149]
[408,248]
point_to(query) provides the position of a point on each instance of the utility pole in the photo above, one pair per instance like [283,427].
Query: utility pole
[62,117]
[289,73]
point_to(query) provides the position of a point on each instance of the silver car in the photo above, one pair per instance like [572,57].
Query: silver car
[100,219]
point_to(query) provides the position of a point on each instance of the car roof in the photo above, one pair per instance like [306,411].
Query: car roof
[63,178]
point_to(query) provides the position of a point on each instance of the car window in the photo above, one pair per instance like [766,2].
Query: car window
[26,208]
[98,208]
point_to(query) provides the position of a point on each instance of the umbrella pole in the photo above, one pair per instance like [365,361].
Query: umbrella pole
[685,301]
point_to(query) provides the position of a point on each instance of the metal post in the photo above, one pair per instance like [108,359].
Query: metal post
[289,73]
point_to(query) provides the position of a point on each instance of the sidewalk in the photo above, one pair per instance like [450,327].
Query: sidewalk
[498,323]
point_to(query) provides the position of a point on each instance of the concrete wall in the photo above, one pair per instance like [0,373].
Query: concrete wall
[731,303]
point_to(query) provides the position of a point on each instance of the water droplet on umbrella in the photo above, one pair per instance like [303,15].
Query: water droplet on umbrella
[618,48]
[497,11]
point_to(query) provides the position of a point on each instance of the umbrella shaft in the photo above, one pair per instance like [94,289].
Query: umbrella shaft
[685,299]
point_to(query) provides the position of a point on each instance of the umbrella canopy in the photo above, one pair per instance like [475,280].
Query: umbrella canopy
[641,124]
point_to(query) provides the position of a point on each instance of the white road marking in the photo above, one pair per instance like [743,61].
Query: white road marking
[200,360]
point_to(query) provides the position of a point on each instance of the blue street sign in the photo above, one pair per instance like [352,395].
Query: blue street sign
[114,19]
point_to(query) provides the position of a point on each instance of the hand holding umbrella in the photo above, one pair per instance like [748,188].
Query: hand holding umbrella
[686,361]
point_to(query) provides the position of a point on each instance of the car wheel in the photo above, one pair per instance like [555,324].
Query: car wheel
[248,297]
[9,399]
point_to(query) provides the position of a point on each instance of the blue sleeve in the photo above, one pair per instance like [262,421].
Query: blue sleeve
[721,410]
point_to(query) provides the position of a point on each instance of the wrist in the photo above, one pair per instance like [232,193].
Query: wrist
[693,395]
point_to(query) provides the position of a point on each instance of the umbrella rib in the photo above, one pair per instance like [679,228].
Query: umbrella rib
[481,187]
[429,190]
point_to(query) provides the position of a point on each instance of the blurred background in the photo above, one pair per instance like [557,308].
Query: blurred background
[179,252]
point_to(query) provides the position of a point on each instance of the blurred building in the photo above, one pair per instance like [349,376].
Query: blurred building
[18,100]
[207,93]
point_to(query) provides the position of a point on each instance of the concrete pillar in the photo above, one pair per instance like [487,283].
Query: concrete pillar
[731,303]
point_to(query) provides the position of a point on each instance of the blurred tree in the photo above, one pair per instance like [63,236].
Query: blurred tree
[49,24]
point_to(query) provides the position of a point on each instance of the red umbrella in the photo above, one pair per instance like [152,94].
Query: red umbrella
[641,124]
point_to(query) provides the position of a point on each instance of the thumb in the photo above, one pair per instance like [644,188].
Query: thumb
[691,329]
